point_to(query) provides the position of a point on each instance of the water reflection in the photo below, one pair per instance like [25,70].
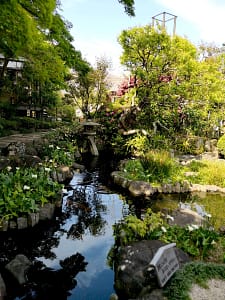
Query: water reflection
[81,234]
[88,229]
[212,204]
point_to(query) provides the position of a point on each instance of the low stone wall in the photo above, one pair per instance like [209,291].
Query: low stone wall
[45,212]
[144,189]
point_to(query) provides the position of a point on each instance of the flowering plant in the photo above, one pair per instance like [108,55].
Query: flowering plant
[24,190]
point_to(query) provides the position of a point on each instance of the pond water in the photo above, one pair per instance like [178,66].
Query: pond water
[82,234]
[212,204]
[89,231]
[83,227]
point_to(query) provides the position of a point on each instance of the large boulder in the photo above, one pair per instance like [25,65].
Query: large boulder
[184,217]
[140,188]
[18,267]
[133,276]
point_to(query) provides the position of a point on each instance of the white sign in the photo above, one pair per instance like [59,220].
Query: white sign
[165,263]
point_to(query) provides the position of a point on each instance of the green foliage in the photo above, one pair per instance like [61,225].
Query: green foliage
[196,165]
[128,6]
[221,145]
[192,273]
[134,170]
[211,172]
[154,166]
[171,80]
[188,144]
[24,125]
[135,229]
[88,90]
[194,240]
[109,118]
[158,166]
[56,155]
[23,190]
[138,145]
[197,241]
[61,147]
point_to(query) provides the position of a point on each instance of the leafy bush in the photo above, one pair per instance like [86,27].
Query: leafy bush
[155,166]
[59,156]
[138,145]
[134,170]
[189,144]
[194,240]
[23,190]
[135,229]
[7,126]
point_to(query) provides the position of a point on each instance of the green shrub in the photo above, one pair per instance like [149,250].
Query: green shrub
[138,145]
[23,190]
[134,170]
[197,241]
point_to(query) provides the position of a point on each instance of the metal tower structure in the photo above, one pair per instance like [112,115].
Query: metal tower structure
[163,18]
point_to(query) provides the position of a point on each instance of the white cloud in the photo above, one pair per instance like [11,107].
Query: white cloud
[207,16]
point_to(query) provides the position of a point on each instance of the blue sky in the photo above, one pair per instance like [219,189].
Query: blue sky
[98,23]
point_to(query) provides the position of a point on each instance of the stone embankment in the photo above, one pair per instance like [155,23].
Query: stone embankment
[145,189]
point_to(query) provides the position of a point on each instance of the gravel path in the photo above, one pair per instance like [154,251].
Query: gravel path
[216,291]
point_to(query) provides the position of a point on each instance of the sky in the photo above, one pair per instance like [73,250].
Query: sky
[98,23]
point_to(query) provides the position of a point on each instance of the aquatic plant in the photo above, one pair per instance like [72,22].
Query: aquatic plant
[24,190]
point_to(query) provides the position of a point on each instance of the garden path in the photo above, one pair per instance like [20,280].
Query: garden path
[20,137]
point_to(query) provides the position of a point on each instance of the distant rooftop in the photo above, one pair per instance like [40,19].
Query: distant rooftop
[14,63]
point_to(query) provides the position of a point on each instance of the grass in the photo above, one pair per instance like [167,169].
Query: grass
[158,167]
[211,172]
[180,284]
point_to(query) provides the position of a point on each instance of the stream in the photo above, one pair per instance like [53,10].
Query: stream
[81,234]
[69,253]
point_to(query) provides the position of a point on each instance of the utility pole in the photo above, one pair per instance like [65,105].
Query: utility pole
[163,18]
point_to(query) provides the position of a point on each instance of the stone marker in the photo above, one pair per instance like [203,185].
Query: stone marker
[165,263]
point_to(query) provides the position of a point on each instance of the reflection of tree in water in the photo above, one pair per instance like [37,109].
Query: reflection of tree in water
[46,283]
[32,242]
[86,204]
[43,283]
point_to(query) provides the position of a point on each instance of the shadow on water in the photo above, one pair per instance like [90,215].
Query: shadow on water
[69,253]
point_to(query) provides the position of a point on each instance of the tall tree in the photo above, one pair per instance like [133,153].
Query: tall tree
[175,89]
[89,90]
[41,36]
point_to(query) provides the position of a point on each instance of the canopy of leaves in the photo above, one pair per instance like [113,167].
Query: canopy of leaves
[88,90]
[35,31]
[128,6]
[175,88]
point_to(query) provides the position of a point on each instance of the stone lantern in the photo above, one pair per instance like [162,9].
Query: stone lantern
[90,133]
